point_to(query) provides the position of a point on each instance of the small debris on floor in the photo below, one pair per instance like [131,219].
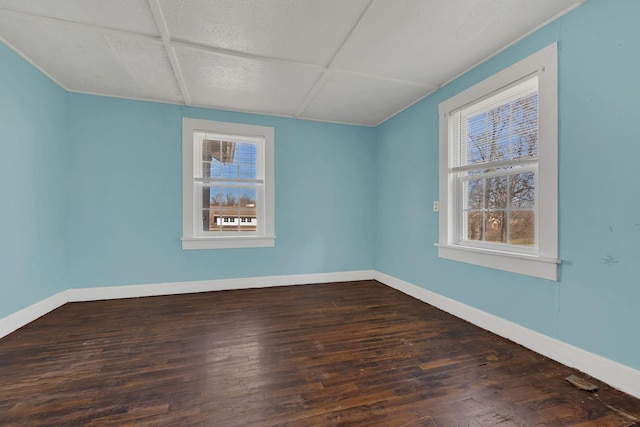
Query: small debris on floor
[582,383]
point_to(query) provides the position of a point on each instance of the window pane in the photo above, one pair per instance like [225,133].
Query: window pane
[221,211]
[475,193]
[522,228]
[218,196]
[247,171]
[206,169]
[496,227]
[229,170]
[210,200]
[210,219]
[246,153]
[247,209]
[211,197]
[216,169]
[502,132]
[215,155]
[226,159]
[230,198]
[221,151]
[496,192]
[221,219]
[524,121]
[474,225]
[209,147]
[522,190]
[488,136]
[247,198]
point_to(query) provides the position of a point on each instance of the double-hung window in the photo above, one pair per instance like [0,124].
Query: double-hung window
[227,185]
[498,170]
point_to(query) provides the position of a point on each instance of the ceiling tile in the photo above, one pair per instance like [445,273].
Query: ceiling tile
[357,99]
[235,83]
[90,61]
[266,56]
[431,41]
[302,30]
[127,15]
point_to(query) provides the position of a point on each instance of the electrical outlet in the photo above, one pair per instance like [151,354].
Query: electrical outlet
[436,206]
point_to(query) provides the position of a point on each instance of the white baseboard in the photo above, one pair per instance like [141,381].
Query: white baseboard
[613,373]
[20,318]
[174,288]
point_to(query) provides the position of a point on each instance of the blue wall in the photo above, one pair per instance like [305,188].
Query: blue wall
[126,201]
[595,304]
[90,192]
[33,185]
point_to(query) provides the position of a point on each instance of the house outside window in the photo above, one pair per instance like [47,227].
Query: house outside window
[498,170]
[227,176]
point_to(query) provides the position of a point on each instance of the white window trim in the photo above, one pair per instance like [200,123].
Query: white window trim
[544,262]
[190,238]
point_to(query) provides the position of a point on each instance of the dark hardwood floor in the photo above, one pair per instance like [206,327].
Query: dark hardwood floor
[357,354]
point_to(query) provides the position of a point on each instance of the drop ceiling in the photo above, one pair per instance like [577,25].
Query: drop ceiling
[346,61]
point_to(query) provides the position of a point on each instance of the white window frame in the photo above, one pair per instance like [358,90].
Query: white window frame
[192,238]
[541,261]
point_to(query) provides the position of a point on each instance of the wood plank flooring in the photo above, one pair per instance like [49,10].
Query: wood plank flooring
[356,354]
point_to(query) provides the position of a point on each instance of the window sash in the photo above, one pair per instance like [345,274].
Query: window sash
[461,209]
[239,181]
[199,208]
[460,118]
[255,184]
[496,165]
[460,167]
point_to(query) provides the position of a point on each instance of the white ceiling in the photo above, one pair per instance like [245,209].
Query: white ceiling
[347,61]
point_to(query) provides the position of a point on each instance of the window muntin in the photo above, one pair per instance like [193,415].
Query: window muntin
[227,185]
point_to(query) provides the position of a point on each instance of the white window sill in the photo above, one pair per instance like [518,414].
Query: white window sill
[529,265]
[228,242]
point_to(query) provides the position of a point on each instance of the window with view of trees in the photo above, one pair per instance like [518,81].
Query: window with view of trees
[498,170]
[496,166]
[227,185]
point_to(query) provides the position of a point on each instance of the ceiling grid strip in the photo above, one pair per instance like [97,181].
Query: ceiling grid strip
[505,47]
[325,75]
[244,55]
[318,77]
[161,23]
[89,27]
